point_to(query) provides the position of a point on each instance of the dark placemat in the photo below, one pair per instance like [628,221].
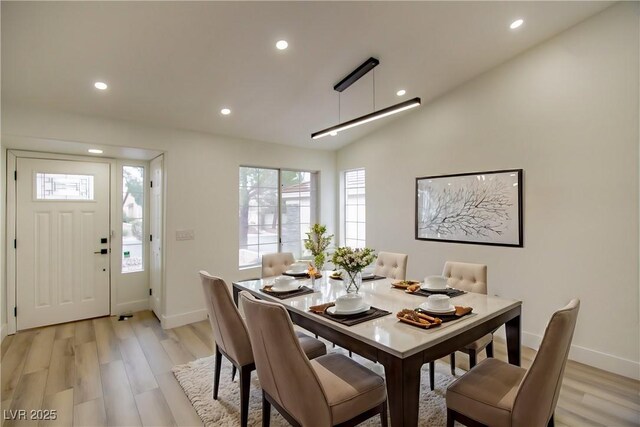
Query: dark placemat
[448,292]
[297,275]
[445,318]
[301,275]
[364,279]
[354,319]
[303,290]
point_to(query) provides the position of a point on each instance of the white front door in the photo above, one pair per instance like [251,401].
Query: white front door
[155,264]
[62,232]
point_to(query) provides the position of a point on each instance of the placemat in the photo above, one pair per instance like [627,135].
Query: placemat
[354,319]
[445,318]
[303,290]
[451,293]
[301,275]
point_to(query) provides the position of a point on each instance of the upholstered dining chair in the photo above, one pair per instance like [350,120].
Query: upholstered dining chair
[470,278]
[330,390]
[392,265]
[498,394]
[277,263]
[232,339]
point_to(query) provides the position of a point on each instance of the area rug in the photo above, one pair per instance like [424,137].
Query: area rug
[196,379]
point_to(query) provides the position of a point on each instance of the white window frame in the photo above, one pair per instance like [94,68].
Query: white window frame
[343,206]
[314,205]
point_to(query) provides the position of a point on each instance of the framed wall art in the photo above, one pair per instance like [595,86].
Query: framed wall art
[483,208]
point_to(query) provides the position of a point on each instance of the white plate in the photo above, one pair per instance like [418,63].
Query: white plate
[332,310]
[433,289]
[287,289]
[296,273]
[425,307]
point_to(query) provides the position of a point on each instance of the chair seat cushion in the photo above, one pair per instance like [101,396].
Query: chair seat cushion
[351,389]
[479,344]
[487,392]
[311,346]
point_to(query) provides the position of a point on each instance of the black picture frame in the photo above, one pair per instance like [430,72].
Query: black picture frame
[451,197]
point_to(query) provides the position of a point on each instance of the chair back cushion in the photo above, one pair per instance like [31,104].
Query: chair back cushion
[276,264]
[538,393]
[391,265]
[467,277]
[229,331]
[284,371]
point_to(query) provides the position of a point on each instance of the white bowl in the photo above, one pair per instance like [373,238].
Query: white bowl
[349,302]
[435,282]
[438,302]
[298,267]
[282,283]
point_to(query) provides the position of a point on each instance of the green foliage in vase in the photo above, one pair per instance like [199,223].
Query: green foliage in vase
[353,260]
[317,243]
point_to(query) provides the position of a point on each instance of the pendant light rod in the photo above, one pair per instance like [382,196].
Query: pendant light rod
[356,74]
[397,108]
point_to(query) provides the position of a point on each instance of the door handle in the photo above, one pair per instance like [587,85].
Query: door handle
[102,251]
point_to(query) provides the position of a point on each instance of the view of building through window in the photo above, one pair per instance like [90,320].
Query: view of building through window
[354,208]
[276,210]
[132,219]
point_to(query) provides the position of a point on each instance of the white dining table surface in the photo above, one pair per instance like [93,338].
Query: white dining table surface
[387,333]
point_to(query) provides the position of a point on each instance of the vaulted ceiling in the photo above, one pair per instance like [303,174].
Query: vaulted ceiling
[177,64]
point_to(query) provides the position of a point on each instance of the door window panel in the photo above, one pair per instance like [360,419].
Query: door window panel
[132,219]
[55,186]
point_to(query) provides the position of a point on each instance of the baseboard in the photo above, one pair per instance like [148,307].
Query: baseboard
[175,320]
[3,331]
[604,361]
[131,307]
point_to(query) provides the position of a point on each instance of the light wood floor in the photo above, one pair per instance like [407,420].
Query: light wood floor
[106,372]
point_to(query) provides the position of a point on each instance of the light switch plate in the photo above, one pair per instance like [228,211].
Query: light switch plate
[185,235]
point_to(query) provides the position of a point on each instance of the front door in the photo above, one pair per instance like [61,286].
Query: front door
[63,241]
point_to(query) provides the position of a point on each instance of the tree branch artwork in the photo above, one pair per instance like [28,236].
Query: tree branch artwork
[471,208]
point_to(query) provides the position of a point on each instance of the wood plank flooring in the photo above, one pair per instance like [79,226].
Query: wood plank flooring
[104,372]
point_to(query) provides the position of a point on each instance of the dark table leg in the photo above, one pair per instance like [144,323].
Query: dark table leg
[514,332]
[403,388]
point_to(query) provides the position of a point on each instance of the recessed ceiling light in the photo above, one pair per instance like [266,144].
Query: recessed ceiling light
[100,85]
[94,151]
[401,92]
[225,111]
[515,24]
[282,44]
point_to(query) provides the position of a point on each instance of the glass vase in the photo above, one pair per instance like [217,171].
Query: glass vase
[353,281]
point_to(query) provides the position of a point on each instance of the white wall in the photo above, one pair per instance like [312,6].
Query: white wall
[201,189]
[567,113]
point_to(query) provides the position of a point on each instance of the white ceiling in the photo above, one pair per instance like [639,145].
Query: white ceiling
[178,63]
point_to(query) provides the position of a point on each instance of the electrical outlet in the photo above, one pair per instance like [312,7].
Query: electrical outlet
[185,235]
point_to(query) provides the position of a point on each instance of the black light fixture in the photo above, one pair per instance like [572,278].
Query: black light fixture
[350,79]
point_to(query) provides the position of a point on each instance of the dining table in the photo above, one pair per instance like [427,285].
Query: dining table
[402,349]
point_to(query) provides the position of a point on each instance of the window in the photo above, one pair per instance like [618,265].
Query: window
[276,210]
[132,219]
[354,208]
[56,186]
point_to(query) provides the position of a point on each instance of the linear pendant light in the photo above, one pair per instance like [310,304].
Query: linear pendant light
[397,108]
[350,79]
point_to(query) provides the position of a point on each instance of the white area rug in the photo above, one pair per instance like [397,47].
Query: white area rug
[196,379]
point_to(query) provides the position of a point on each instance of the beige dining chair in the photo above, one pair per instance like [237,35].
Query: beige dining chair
[277,263]
[232,339]
[392,265]
[331,390]
[469,278]
[498,394]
